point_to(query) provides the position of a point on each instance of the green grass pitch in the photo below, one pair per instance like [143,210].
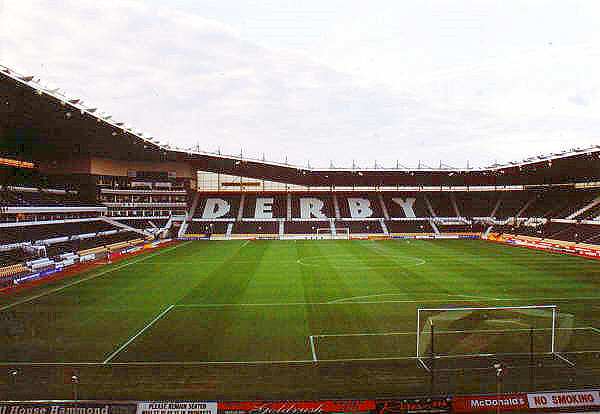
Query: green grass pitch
[293,301]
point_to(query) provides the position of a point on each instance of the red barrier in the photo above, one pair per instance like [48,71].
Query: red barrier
[549,247]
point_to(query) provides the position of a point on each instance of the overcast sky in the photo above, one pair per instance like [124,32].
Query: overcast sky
[326,80]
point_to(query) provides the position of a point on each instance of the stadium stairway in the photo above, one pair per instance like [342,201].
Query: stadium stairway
[164,230]
[125,226]
[525,207]
[429,206]
[384,227]
[240,213]
[183,229]
[189,215]
[487,232]
[332,228]
[585,208]
[384,210]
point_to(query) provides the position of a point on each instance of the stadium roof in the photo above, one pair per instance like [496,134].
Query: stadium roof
[106,139]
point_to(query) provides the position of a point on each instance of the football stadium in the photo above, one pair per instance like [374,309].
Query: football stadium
[133,270]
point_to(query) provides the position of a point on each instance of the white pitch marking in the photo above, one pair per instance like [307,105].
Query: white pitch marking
[363,334]
[368,296]
[133,338]
[90,277]
[223,305]
[387,253]
[564,359]
[348,299]
[282,262]
[291,361]
[312,348]
[349,260]
[424,300]
[424,365]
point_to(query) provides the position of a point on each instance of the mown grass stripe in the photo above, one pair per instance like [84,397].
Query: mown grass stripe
[133,338]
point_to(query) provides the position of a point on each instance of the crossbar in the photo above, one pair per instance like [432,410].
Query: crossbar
[554,309]
[490,308]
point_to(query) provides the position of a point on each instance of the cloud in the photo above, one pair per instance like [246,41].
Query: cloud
[189,80]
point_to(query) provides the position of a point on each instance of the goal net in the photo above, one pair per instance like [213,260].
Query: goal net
[491,331]
[326,233]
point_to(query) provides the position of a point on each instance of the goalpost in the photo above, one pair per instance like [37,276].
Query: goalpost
[341,233]
[465,332]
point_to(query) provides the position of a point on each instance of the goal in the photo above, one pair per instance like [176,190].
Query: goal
[467,332]
[341,233]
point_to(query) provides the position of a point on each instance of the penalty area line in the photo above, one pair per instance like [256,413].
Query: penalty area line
[133,338]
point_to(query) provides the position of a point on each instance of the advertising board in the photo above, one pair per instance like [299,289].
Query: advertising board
[177,407]
[565,399]
[67,407]
[507,402]
[410,406]
[296,407]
